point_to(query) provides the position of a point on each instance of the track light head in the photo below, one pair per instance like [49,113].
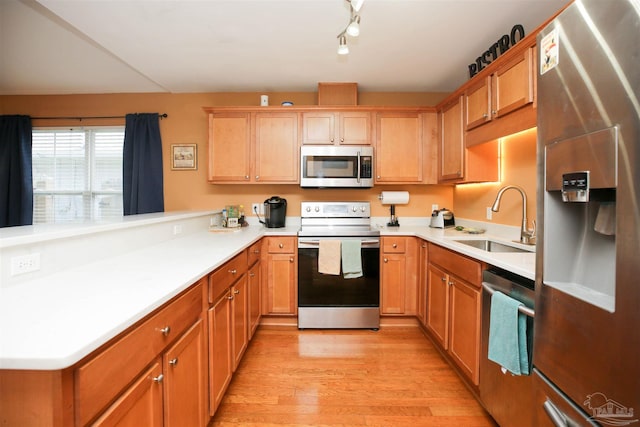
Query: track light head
[343,49]
[354,27]
[356,4]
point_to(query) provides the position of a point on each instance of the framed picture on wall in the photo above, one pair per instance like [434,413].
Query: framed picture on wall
[184,156]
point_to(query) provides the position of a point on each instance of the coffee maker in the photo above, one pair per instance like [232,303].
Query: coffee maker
[275,211]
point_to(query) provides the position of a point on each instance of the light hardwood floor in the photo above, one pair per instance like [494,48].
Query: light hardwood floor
[392,377]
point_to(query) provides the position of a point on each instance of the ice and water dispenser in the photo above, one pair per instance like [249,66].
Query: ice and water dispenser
[581,177]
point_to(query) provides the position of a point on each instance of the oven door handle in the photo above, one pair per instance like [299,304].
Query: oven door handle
[316,242]
[522,309]
[358,178]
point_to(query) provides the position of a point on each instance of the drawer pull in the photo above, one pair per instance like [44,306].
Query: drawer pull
[257,251]
[395,245]
[173,362]
[230,297]
[444,279]
[234,271]
[158,379]
[291,259]
[252,275]
[166,330]
[281,246]
[236,291]
[450,283]
[386,260]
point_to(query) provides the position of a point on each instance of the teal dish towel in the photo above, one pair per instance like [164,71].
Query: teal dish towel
[351,259]
[508,334]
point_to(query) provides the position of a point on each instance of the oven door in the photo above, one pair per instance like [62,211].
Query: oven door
[336,166]
[327,290]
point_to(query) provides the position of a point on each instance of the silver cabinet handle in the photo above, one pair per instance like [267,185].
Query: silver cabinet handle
[450,283]
[246,177]
[257,251]
[237,291]
[444,279]
[173,362]
[257,177]
[386,260]
[281,246]
[556,417]
[377,176]
[485,115]
[234,271]
[395,245]
[158,379]
[166,330]
[291,259]
[230,297]
[252,275]
[494,112]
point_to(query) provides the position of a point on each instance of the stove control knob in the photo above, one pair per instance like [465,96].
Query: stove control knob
[317,208]
[354,208]
[308,208]
[363,208]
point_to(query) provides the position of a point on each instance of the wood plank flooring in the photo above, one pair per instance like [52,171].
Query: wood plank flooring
[392,377]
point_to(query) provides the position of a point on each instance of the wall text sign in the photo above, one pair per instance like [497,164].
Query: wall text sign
[497,49]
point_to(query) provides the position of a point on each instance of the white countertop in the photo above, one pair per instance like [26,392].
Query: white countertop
[52,322]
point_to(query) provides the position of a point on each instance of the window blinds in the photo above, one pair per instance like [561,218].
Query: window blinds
[77,174]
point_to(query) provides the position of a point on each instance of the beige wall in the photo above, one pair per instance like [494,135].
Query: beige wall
[187,124]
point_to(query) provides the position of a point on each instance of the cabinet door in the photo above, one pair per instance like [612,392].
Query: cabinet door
[451,142]
[220,363]
[465,327]
[399,151]
[319,128]
[229,147]
[355,128]
[240,323]
[513,83]
[392,283]
[254,298]
[478,103]
[281,287]
[423,282]
[438,305]
[140,405]
[184,366]
[276,148]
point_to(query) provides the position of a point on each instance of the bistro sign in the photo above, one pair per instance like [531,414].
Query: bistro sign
[497,49]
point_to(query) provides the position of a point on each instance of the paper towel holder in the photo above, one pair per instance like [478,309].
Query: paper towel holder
[393,198]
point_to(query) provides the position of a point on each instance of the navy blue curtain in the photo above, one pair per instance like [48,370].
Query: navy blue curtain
[142,165]
[16,182]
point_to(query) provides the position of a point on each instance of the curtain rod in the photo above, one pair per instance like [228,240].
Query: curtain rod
[162,116]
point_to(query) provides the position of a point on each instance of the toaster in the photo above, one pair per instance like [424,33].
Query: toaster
[442,218]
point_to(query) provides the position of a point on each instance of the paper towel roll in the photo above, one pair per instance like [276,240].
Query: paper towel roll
[394,197]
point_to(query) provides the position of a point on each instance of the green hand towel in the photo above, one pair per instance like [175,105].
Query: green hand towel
[508,334]
[351,259]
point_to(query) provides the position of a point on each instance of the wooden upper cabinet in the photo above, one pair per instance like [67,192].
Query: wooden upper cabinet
[510,87]
[451,165]
[253,147]
[276,148]
[399,148]
[336,128]
[229,147]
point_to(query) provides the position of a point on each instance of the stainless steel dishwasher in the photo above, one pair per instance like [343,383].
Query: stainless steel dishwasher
[508,398]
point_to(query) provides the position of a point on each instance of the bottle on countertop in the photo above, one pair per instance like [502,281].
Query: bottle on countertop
[241,215]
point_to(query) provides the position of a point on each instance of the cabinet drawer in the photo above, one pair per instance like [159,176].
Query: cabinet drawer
[394,245]
[224,276]
[100,380]
[254,253]
[281,245]
[459,265]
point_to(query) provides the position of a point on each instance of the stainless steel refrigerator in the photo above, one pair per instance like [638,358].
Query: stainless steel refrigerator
[586,351]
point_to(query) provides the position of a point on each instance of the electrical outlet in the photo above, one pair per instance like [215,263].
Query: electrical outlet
[25,264]
[257,208]
[434,207]
[177,229]
[489,213]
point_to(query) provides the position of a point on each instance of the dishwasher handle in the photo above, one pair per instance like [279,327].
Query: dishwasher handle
[522,309]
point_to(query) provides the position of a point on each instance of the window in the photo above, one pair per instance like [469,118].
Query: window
[77,174]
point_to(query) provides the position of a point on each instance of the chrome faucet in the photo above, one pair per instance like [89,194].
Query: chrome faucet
[527,235]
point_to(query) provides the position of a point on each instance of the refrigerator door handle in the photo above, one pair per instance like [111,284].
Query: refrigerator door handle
[556,416]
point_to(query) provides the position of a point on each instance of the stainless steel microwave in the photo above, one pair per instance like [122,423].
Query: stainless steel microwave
[336,166]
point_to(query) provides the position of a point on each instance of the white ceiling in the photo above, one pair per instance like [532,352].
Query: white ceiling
[116,46]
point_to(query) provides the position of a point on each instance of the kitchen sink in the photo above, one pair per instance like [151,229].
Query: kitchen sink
[491,245]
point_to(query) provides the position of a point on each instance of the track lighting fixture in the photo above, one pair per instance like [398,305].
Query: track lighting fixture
[352,29]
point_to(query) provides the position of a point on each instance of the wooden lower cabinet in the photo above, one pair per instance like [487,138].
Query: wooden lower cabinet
[185,379]
[220,362]
[254,288]
[139,405]
[280,281]
[398,275]
[454,307]
[240,319]
[423,262]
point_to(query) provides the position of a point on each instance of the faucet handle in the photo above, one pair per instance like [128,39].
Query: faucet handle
[532,231]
